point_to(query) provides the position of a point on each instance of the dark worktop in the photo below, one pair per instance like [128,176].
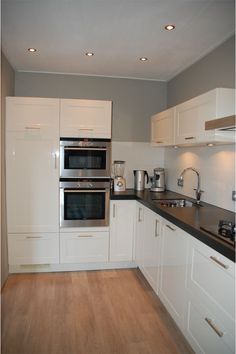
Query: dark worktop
[189,218]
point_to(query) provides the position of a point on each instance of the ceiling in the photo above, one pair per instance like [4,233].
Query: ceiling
[118,32]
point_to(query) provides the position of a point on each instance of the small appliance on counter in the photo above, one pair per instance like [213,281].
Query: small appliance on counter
[158,180]
[119,180]
[139,179]
[224,230]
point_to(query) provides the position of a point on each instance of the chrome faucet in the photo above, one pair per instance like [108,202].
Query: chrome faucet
[198,191]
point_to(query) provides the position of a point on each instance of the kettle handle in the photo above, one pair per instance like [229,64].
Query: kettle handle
[147,176]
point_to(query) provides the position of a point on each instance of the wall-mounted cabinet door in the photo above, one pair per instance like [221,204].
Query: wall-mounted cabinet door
[32,165]
[122,218]
[85,118]
[174,247]
[162,128]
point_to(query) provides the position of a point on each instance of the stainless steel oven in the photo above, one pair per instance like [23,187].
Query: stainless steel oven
[85,158]
[84,203]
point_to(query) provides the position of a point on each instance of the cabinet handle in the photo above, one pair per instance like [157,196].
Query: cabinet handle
[190,137]
[213,326]
[139,214]
[114,211]
[85,236]
[32,127]
[159,142]
[156,233]
[34,236]
[88,129]
[225,266]
[169,227]
[55,161]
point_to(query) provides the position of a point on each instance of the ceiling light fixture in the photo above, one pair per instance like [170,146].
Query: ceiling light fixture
[32,50]
[210,144]
[89,54]
[170,27]
[175,147]
[143,59]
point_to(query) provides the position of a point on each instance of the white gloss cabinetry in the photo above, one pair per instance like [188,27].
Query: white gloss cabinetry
[162,128]
[184,124]
[85,118]
[122,220]
[173,269]
[32,178]
[210,303]
[84,247]
[191,117]
[149,246]
[37,248]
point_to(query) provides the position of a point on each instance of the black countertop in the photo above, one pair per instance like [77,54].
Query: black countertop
[190,219]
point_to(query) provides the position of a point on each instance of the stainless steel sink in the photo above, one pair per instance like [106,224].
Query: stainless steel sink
[174,203]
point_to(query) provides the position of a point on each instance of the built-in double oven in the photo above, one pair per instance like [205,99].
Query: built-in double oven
[84,182]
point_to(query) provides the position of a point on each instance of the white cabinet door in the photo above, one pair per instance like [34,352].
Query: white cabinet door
[85,118]
[139,234]
[122,218]
[37,248]
[210,300]
[191,116]
[32,166]
[151,248]
[162,128]
[173,270]
[84,247]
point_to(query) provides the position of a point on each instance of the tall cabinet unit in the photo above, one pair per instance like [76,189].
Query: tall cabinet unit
[32,174]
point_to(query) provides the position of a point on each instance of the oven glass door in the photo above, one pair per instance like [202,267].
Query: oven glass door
[85,162]
[84,208]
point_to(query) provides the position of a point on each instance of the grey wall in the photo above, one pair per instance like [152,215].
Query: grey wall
[7,89]
[134,101]
[217,69]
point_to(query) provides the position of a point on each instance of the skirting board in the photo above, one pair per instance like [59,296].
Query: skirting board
[39,268]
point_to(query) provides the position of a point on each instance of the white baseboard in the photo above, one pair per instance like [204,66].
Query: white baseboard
[39,268]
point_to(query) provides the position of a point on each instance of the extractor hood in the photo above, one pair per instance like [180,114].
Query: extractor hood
[226,123]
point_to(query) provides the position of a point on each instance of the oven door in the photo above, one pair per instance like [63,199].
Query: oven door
[84,207]
[84,161]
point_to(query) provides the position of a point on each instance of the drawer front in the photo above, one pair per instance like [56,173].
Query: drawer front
[37,248]
[206,331]
[83,247]
[211,277]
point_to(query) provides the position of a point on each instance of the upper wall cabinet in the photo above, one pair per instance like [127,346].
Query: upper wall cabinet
[187,120]
[85,118]
[191,117]
[162,128]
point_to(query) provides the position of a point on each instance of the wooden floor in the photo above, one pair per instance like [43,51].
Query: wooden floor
[95,312]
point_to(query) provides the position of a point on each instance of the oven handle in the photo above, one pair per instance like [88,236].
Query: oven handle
[85,148]
[85,191]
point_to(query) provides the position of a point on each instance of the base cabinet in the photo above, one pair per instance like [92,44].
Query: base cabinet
[83,247]
[37,248]
[122,217]
[174,247]
[210,303]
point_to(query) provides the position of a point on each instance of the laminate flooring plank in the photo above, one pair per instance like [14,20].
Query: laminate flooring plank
[88,312]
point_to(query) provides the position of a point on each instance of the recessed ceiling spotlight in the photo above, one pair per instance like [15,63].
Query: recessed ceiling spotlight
[210,144]
[170,27]
[143,59]
[89,54]
[32,50]
[175,147]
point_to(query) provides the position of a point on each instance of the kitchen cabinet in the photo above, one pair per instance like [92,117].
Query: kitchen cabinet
[32,164]
[191,116]
[210,303]
[84,246]
[147,250]
[162,128]
[32,180]
[122,219]
[173,270]
[85,118]
[36,248]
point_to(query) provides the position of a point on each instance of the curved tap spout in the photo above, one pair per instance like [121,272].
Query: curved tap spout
[198,191]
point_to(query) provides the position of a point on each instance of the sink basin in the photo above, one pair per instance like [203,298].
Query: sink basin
[174,203]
